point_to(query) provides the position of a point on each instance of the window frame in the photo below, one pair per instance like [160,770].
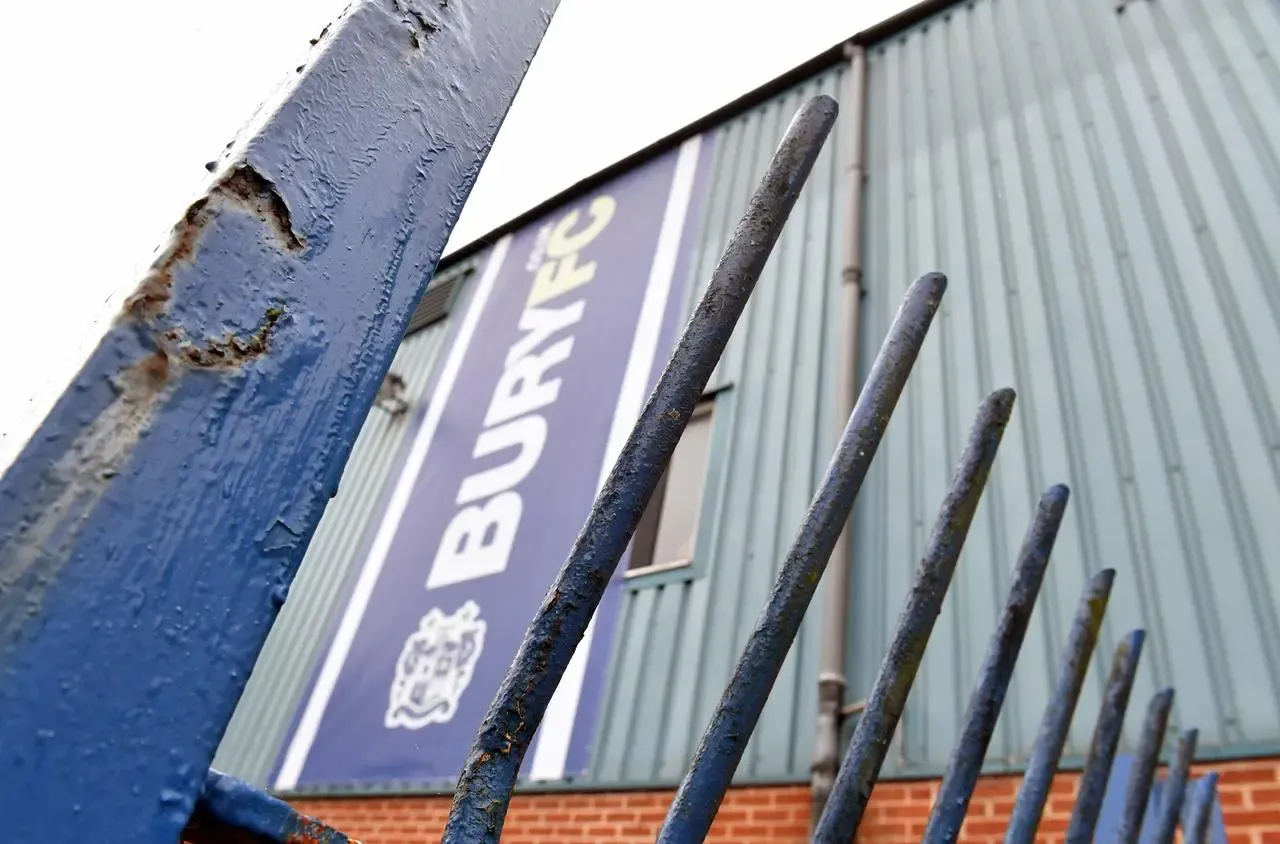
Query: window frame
[718,404]
[453,279]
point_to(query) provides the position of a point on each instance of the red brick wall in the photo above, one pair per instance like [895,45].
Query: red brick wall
[1249,793]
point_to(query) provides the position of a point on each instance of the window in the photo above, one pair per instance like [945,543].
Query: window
[667,530]
[438,298]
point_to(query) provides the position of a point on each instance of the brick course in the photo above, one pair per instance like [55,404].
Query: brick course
[1249,793]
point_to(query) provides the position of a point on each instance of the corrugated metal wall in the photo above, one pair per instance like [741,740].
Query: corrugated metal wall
[259,727]
[776,420]
[1103,189]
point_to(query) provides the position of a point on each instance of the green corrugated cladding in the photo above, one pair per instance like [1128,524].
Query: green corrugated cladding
[1102,187]
[261,722]
[1099,185]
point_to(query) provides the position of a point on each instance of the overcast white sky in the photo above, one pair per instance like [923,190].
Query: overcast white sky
[113,108]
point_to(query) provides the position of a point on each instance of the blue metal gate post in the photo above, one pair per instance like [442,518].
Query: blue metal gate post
[1201,810]
[151,528]
[870,741]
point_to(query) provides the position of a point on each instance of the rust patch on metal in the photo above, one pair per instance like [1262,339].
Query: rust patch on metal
[231,351]
[152,371]
[247,190]
[152,296]
[244,188]
[80,476]
[257,194]
[420,27]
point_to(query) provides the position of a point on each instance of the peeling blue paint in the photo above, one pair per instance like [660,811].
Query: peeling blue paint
[149,530]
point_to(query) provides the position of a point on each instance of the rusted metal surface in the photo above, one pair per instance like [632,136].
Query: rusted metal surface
[150,529]
[246,190]
[489,775]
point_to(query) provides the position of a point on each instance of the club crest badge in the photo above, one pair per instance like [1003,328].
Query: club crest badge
[435,668]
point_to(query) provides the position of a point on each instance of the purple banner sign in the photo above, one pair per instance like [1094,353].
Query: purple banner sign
[567,328]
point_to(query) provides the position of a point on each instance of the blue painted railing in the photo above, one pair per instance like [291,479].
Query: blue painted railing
[1126,774]
[147,543]
[152,526]
[484,790]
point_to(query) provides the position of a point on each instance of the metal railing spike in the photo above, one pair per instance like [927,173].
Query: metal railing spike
[489,774]
[1201,810]
[963,769]
[1106,737]
[1145,761]
[1033,794]
[725,739]
[857,774]
[1169,811]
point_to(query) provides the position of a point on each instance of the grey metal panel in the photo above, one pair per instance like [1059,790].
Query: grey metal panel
[1103,189]
[284,668]
[679,640]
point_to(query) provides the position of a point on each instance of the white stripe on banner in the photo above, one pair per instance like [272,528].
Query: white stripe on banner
[556,732]
[300,747]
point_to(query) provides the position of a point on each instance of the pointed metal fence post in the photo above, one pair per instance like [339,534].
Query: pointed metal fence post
[1200,812]
[1143,771]
[489,774]
[1033,793]
[861,766]
[1106,737]
[952,802]
[735,718]
[1169,811]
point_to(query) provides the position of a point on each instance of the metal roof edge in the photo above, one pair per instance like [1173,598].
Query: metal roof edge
[907,18]
[827,58]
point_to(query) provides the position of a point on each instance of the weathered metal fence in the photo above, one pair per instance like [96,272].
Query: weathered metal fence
[228,810]
[485,788]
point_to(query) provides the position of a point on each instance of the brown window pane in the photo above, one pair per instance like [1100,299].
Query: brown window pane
[669,526]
